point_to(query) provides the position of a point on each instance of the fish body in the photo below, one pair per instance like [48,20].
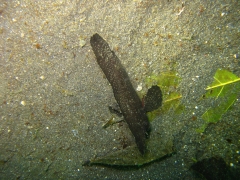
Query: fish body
[124,93]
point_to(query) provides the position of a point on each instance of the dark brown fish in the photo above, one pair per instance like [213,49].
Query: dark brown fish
[124,93]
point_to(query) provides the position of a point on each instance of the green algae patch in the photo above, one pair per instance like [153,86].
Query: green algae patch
[168,82]
[224,89]
[158,145]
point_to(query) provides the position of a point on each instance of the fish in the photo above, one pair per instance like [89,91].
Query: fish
[131,107]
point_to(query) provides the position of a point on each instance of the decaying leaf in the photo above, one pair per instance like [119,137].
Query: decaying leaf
[158,145]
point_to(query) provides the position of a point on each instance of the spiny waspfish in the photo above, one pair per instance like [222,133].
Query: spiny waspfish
[127,98]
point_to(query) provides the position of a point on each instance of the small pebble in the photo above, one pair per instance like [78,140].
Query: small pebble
[75,132]
[42,77]
[82,42]
[235,56]
[223,13]
[139,88]
[23,103]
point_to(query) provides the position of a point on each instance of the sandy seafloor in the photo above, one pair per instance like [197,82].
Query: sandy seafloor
[54,98]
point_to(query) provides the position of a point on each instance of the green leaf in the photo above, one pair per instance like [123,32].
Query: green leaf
[224,89]
[223,78]
[213,115]
[168,82]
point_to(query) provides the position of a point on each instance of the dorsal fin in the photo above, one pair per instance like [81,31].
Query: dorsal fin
[153,99]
